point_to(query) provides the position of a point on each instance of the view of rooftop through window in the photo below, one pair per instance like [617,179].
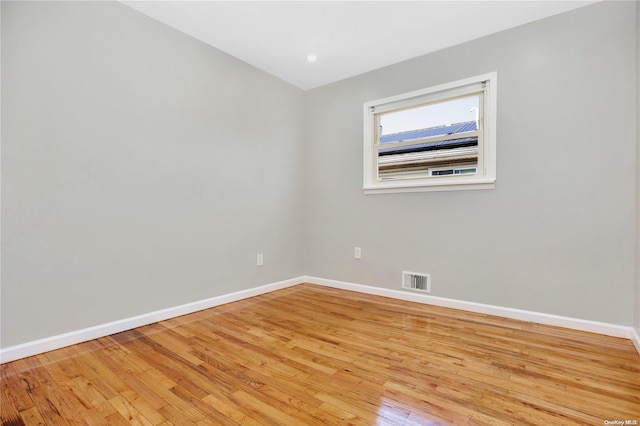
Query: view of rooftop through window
[431,115]
[435,139]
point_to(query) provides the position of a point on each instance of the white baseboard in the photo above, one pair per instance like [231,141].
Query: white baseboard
[635,339]
[35,347]
[519,314]
[56,342]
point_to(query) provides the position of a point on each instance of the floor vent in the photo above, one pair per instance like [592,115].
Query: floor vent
[416,281]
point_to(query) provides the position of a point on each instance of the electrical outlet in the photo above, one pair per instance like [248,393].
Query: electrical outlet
[357,252]
[260,260]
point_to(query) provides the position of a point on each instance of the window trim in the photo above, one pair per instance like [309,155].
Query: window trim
[485,177]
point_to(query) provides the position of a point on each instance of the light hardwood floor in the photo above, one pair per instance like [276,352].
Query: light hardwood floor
[314,355]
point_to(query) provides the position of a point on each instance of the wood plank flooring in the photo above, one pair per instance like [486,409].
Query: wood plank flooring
[311,355]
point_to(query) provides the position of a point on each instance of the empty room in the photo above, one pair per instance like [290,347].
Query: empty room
[308,213]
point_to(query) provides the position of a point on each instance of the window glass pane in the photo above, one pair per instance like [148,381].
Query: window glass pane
[442,172]
[466,171]
[442,120]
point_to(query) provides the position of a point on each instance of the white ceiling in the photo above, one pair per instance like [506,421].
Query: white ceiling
[348,37]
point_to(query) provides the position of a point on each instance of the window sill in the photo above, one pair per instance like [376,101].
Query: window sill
[431,187]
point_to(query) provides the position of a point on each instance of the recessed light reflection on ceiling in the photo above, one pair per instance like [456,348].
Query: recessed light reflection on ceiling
[311,57]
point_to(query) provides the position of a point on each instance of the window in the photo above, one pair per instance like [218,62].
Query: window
[440,138]
[453,170]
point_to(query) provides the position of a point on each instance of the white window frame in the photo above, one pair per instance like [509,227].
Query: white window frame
[485,176]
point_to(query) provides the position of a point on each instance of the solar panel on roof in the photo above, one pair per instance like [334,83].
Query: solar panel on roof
[467,126]
[430,146]
[453,129]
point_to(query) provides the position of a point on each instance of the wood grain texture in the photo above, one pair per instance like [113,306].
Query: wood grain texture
[315,355]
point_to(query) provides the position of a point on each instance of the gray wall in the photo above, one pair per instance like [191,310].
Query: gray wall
[637,233]
[556,235]
[141,169]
